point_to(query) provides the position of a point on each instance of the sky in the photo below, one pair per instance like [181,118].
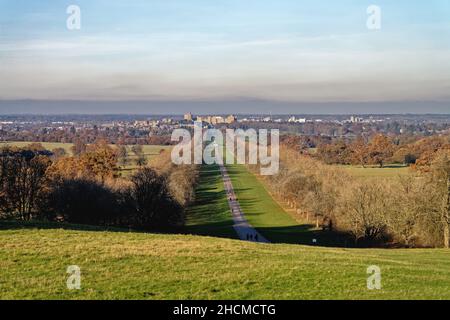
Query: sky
[285,54]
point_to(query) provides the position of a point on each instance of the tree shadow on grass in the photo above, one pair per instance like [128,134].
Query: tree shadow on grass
[210,214]
[38,224]
[307,234]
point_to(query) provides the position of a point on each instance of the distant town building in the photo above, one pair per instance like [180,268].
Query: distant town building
[293,119]
[354,119]
[231,119]
[188,116]
[141,123]
[216,119]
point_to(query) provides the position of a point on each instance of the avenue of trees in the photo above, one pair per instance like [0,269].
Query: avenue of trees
[86,188]
[411,211]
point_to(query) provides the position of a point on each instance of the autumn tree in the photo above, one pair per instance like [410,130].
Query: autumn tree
[181,184]
[65,168]
[359,152]
[380,150]
[79,147]
[335,153]
[122,155]
[59,153]
[36,147]
[100,160]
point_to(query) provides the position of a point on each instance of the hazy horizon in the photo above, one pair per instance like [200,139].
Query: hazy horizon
[244,106]
[263,56]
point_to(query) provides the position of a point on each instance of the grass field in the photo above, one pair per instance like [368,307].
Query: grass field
[47,145]
[210,215]
[123,265]
[391,171]
[119,264]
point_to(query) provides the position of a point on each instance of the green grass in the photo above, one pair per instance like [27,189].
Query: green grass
[392,171]
[122,265]
[47,145]
[262,211]
[150,151]
[210,215]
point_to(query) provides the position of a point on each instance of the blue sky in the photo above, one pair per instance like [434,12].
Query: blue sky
[284,50]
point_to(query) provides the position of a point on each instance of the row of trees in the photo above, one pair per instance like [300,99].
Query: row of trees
[380,150]
[411,210]
[87,189]
[131,136]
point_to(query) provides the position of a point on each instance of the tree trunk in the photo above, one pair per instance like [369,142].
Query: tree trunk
[447,217]
[446,236]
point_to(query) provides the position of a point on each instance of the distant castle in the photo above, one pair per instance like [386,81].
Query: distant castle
[211,119]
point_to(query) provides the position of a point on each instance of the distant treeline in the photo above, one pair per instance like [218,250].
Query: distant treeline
[333,130]
[130,136]
[377,149]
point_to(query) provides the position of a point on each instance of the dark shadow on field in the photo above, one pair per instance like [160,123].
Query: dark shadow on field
[37,224]
[210,215]
[306,234]
[300,234]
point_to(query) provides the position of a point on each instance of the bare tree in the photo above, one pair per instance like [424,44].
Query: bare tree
[22,181]
[122,155]
[441,176]
[139,152]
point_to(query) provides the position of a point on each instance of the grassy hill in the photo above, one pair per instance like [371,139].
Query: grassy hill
[125,265]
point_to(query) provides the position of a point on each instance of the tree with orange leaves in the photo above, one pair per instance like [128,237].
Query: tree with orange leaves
[380,150]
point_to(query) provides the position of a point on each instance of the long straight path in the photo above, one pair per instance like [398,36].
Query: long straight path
[244,230]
